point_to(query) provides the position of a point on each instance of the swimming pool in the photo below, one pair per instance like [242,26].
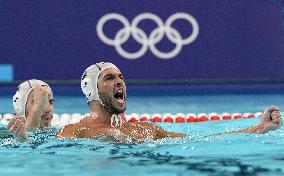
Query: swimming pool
[242,154]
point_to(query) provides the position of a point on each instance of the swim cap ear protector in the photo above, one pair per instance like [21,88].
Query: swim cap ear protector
[21,96]
[89,80]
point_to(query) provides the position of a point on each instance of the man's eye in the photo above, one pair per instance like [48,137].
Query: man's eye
[51,102]
[110,78]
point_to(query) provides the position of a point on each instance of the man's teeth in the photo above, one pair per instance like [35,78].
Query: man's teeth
[119,95]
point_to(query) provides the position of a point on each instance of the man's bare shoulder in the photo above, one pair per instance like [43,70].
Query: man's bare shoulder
[87,127]
[87,120]
[69,131]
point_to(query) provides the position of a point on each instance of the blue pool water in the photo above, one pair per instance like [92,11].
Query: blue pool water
[242,154]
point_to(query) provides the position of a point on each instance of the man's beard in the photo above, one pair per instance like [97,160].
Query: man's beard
[107,103]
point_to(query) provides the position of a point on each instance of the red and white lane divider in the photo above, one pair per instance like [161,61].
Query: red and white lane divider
[64,119]
[187,118]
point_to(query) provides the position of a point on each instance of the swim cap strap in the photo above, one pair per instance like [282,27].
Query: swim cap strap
[117,119]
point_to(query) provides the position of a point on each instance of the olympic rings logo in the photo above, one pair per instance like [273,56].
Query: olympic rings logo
[156,35]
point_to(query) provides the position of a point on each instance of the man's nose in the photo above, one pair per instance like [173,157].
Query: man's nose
[119,81]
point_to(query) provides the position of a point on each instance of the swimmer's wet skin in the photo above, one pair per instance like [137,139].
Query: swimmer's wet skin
[104,87]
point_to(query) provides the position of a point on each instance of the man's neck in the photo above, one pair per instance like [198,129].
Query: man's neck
[103,116]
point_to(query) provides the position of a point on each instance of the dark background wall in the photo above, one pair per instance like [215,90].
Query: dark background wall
[57,40]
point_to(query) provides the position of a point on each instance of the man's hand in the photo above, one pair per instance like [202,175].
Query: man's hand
[39,98]
[271,120]
[267,115]
[17,127]
[276,117]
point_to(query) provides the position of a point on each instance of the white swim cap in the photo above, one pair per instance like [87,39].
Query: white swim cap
[89,80]
[21,96]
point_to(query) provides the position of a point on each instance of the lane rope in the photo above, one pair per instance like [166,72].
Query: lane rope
[63,119]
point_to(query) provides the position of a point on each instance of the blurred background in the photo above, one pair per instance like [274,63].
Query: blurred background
[162,47]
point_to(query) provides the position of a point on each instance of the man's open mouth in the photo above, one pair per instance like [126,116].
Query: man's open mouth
[119,96]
